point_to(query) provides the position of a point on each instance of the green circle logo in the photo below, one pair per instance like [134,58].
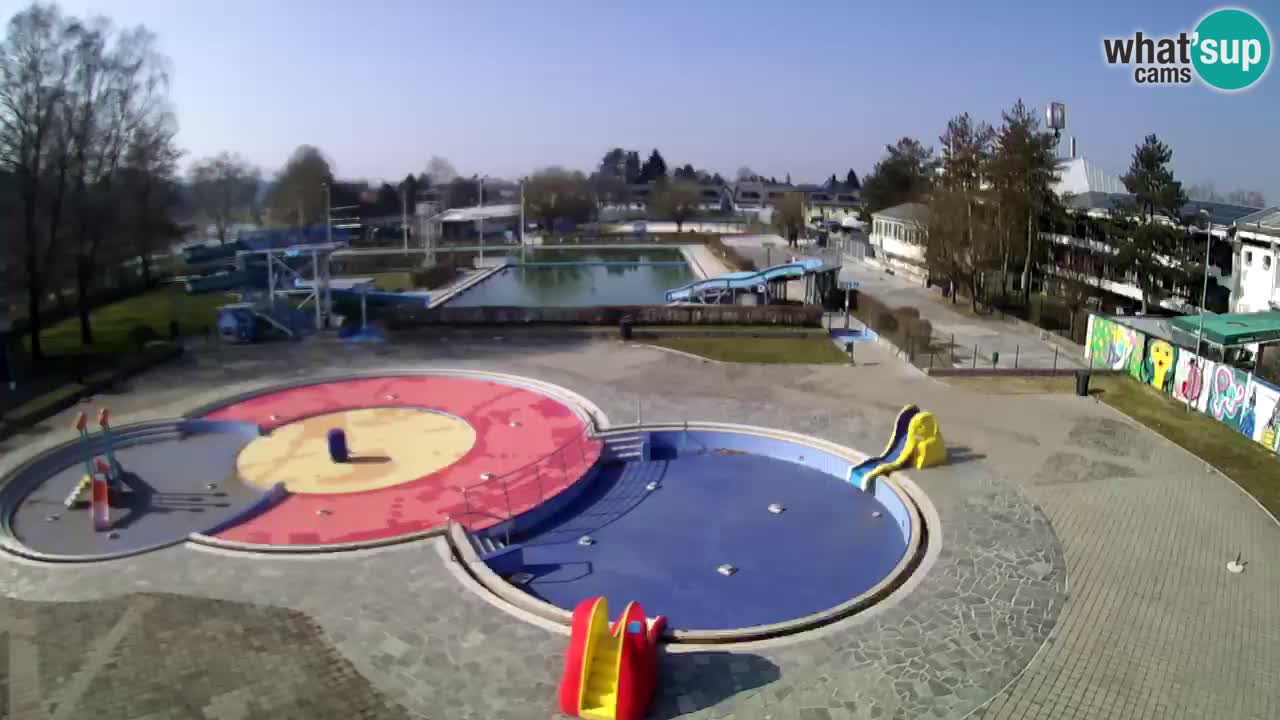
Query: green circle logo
[1232,49]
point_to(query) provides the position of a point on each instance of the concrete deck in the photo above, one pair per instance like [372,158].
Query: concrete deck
[1079,572]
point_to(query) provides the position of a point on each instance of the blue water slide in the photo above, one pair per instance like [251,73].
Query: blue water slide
[892,454]
[747,280]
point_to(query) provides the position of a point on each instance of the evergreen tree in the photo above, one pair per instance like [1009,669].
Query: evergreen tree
[851,181]
[1022,172]
[631,167]
[654,169]
[1151,181]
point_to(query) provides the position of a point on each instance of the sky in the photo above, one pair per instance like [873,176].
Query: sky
[801,88]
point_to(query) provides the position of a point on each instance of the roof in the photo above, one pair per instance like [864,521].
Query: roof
[1079,176]
[1263,221]
[1219,213]
[916,212]
[1234,328]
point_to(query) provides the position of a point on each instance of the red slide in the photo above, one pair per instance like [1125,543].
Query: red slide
[610,672]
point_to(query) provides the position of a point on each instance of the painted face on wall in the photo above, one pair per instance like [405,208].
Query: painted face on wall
[1162,361]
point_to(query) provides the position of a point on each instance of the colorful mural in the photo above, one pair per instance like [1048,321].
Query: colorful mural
[1114,346]
[1227,395]
[1189,380]
[1246,404]
[1267,413]
[1158,363]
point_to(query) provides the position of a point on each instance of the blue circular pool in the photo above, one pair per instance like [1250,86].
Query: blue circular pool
[660,529]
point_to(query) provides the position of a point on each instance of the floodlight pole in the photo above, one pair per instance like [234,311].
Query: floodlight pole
[1204,292]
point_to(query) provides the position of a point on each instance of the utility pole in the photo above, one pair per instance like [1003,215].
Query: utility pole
[1204,292]
[328,217]
[480,215]
[404,217]
[521,212]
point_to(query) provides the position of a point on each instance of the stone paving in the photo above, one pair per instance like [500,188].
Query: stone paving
[1039,488]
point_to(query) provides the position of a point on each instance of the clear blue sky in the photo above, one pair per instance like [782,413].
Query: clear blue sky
[807,88]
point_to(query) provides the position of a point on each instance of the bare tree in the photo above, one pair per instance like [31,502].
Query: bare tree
[788,216]
[441,171]
[1247,198]
[224,189]
[678,200]
[554,194]
[33,75]
[298,196]
[149,189]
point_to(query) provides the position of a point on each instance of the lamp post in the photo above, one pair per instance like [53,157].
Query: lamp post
[1204,292]
[328,215]
[404,217]
[480,215]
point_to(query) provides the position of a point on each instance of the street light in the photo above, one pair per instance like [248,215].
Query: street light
[480,215]
[1204,292]
[328,215]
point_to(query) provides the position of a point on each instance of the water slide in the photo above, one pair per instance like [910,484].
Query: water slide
[610,673]
[747,280]
[916,441]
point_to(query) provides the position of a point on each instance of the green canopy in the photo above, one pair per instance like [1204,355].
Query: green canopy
[1234,328]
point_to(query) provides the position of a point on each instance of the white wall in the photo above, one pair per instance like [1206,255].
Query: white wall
[1259,268]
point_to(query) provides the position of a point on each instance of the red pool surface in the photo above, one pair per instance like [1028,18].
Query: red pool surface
[538,444]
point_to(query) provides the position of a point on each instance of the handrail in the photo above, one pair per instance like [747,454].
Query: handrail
[507,531]
[561,452]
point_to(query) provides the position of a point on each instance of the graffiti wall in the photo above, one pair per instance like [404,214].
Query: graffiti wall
[1264,401]
[1227,395]
[1190,381]
[1242,402]
[1114,346]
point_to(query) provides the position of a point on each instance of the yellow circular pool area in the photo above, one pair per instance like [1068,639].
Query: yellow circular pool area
[388,446]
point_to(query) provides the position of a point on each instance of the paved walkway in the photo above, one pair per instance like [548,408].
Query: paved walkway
[988,335]
[1072,545]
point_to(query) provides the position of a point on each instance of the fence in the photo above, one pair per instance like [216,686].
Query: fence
[1237,399]
[530,485]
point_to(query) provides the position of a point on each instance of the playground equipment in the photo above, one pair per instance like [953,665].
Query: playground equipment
[610,672]
[101,477]
[916,440]
[338,451]
[724,289]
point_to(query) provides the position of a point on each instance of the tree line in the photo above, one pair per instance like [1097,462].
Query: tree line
[990,198]
[87,155]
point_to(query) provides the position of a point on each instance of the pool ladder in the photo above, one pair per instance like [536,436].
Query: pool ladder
[627,446]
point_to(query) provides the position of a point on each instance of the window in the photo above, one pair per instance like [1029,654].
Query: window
[1248,258]
[1266,262]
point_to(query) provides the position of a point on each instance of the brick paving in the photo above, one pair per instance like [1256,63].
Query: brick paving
[1043,494]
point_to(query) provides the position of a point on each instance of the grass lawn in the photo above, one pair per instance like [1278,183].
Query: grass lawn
[113,323]
[758,349]
[1251,465]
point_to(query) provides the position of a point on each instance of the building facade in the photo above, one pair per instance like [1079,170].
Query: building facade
[1257,248]
[898,239]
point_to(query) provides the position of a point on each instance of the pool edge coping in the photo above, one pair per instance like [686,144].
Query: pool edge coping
[882,593]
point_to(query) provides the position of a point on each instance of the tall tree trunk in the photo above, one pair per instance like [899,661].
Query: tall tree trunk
[83,268]
[1026,266]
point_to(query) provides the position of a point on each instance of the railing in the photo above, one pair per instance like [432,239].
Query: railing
[555,463]
[453,520]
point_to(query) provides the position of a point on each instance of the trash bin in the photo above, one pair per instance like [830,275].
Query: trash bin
[624,326]
[1082,383]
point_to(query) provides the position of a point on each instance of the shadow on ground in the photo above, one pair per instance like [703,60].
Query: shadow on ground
[689,682]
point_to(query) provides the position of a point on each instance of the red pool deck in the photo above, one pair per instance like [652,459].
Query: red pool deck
[542,454]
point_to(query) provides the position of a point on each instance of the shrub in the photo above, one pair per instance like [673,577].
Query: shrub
[884,323]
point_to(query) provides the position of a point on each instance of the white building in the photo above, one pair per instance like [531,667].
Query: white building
[898,239]
[1257,244]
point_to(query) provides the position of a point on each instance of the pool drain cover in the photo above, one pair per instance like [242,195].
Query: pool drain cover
[586,540]
[521,578]
[876,513]
[653,485]
[776,508]
[727,569]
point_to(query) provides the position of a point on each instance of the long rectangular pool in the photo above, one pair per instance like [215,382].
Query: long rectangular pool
[581,278]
